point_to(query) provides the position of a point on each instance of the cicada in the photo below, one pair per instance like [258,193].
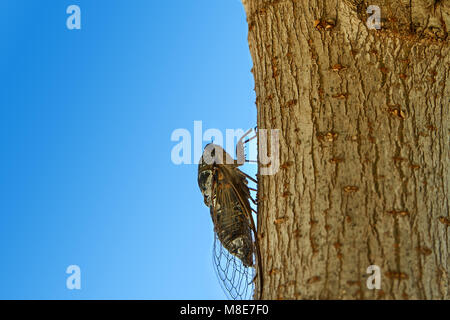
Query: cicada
[225,191]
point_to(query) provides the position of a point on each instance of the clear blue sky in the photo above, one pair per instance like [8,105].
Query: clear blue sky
[85,125]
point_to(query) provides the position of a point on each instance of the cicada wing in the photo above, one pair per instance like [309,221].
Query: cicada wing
[234,251]
[235,279]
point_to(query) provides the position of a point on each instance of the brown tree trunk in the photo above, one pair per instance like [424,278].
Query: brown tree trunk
[364,147]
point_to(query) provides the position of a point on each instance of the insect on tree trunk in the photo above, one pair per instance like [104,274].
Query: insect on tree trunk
[364,147]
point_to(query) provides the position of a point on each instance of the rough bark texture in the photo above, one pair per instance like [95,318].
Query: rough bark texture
[364,147]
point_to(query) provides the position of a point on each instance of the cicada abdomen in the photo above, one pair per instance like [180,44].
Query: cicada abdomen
[226,193]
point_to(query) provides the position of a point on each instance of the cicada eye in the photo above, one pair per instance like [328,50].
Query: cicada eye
[204,180]
[205,185]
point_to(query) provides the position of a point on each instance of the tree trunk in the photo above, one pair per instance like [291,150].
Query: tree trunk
[364,147]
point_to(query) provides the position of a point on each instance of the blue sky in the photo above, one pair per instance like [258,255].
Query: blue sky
[85,125]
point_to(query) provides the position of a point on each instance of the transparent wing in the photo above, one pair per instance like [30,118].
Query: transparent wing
[235,279]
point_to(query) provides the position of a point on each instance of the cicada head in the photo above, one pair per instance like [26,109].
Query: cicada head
[213,156]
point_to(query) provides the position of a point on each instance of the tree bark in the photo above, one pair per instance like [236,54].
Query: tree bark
[364,147]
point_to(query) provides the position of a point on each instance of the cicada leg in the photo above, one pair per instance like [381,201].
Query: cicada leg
[240,148]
